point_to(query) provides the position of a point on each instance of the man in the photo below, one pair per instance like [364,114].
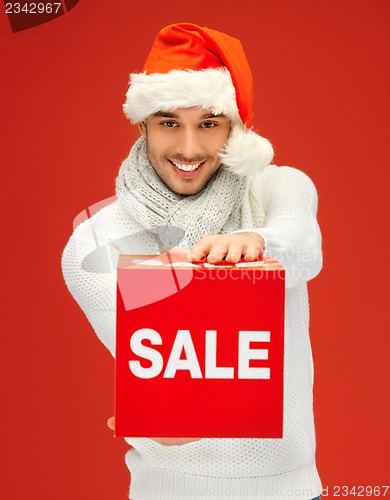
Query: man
[199,178]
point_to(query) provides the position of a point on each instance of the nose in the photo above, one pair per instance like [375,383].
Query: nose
[189,145]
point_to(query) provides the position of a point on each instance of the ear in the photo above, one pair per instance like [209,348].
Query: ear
[142,128]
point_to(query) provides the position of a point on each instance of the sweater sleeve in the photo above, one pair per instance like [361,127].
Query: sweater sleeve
[89,269]
[291,232]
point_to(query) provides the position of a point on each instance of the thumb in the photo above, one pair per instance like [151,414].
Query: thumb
[111,423]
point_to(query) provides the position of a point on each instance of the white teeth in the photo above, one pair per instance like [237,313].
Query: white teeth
[185,167]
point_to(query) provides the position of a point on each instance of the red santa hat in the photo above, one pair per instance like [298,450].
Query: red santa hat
[194,66]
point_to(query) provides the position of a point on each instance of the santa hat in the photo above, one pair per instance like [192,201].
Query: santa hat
[194,66]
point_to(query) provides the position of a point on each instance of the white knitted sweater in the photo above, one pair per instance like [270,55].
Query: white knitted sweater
[276,469]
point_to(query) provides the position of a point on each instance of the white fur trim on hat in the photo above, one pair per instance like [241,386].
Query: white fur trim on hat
[210,88]
[245,152]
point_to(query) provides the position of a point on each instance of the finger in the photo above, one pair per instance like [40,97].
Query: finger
[200,249]
[252,253]
[111,423]
[234,254]
[217,254]
[174,441]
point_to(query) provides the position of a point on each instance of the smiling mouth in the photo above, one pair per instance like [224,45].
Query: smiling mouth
[187,167]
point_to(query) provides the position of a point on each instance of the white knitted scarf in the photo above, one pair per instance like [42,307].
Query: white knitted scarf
[177,219]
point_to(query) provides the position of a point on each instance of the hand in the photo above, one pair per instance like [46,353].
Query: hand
[174,441]
[164,441]
[111,423]
[231,247]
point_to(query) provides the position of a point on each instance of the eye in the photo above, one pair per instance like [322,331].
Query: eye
[169,124]
[208,125]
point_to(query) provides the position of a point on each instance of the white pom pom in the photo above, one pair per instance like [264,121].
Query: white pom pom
[245,152]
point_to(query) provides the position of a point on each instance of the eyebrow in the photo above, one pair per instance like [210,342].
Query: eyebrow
[168,114]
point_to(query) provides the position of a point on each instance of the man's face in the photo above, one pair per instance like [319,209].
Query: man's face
[183,146]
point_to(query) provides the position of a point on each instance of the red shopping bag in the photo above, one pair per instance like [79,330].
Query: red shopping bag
[199,348]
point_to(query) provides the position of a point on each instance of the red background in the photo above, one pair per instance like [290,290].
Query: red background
[321,79]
